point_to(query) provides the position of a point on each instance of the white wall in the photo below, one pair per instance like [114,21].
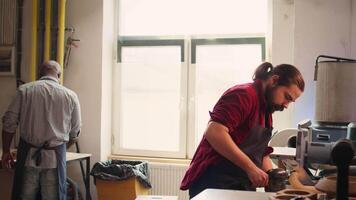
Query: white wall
[90,69]
[281,49]
[109,57]
[302,30]
[89,74]
[321,27]
[353,29]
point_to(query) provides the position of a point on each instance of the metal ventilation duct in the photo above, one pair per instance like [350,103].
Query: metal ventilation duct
[335,91]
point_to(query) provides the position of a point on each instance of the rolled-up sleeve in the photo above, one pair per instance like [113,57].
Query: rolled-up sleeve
[76,120]
[231,110]
[11,117]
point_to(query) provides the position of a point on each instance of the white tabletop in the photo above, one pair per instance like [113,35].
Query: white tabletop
[70,156]
[218,194]
[154,197]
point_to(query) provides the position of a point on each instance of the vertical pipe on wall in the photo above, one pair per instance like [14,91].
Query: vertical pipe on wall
[40,32]
[47,36]
[19,11]
[60,40]
[33,67]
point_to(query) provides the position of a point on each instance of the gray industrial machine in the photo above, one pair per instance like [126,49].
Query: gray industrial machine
[331,137]
[335,111]
[315,142]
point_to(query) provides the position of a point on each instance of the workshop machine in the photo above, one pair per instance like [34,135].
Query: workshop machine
[330,139]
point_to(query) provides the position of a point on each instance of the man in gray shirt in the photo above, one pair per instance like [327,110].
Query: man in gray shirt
[48,115]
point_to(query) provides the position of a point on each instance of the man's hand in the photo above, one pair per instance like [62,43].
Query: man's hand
[257,177]
[7,161]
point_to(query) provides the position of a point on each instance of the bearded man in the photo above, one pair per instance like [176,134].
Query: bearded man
[234,152]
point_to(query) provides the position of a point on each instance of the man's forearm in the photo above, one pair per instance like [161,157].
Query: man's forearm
[6,141]
[222,142]
[220,139]
[266,163]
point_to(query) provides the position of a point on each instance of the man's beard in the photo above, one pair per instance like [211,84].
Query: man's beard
[272,107]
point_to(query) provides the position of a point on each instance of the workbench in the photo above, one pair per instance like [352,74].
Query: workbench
[279,153]
[71,157]
[219,194]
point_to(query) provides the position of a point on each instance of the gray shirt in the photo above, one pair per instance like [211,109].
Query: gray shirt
[44,111]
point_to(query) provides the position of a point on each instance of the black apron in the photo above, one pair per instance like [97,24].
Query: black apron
[225,174]
[22,152]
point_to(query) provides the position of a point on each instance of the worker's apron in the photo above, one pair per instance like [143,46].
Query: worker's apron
[226,175]
[22,152]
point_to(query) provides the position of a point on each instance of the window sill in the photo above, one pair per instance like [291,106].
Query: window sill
[151,159]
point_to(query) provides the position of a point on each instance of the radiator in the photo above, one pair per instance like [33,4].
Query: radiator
[7,22]
[166,178]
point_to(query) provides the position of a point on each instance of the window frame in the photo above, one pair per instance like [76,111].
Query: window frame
[151,41]
[188,47]
[210,40]
[146,41]
[227,40]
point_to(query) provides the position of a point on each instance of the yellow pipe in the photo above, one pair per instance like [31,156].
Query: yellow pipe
[60,39]
[47,35]
[33,66]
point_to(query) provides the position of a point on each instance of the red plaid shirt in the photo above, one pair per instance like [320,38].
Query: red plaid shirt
[239,108]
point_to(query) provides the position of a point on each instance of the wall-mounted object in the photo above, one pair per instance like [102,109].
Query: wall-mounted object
[335,90]
[7,60]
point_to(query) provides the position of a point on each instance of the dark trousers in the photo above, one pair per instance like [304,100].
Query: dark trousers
[221,177]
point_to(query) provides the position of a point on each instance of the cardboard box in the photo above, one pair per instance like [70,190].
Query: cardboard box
[124,190]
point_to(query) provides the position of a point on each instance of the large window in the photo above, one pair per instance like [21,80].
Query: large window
[165,85]
[219,65]
[191,17]
[151,97]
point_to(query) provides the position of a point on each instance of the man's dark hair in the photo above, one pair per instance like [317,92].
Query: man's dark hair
[288,74]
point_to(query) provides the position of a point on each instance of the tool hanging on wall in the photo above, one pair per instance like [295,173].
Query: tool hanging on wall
[70,42]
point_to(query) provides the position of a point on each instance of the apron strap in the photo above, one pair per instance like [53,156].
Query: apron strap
[21,156]
[61,171]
